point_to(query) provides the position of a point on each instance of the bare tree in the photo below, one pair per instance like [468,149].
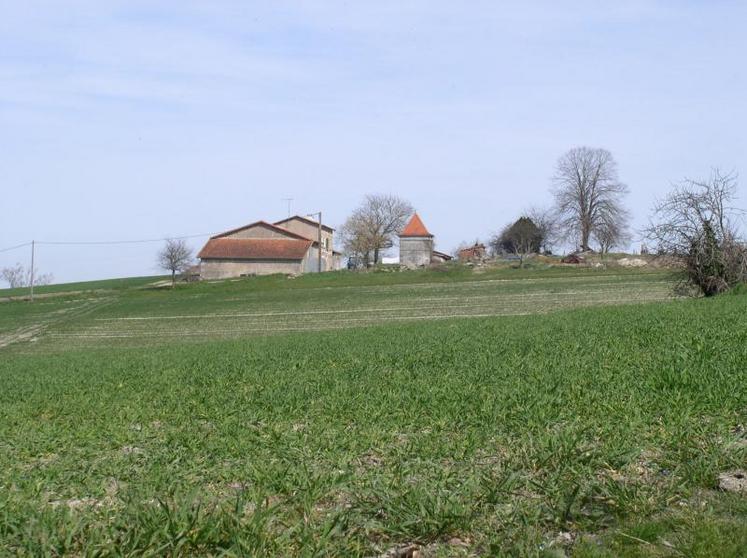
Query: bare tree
[520,238]
[19,276]
[40,278]
[372,227]
[356,241]
[588,194]
[546,220]
[612,234]
[698,223]
[15,276]
[175,257]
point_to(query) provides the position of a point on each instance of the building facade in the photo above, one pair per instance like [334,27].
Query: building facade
[310,229]
[415,244]
[261,248]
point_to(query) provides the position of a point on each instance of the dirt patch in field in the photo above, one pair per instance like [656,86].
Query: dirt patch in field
[28,333]
[632,262]
[455,546]
[733,481]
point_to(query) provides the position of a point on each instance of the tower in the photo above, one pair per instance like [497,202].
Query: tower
[415,244]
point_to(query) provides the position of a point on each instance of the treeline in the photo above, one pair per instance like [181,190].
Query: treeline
[697,222]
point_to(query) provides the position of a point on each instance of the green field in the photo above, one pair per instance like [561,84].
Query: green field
[512,412]
[83,286]
[139,315]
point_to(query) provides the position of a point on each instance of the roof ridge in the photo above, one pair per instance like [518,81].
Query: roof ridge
[261,223]
[306,219]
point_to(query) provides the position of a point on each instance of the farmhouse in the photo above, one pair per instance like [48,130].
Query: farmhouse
[416,245]
[290,246]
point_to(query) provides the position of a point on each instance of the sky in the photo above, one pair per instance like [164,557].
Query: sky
[129,120]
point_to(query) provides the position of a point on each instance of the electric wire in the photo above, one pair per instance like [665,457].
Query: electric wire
[103,242]
[15,247]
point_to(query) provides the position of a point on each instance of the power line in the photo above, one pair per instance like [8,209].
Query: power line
[103,242]
[15,247]
[109,242]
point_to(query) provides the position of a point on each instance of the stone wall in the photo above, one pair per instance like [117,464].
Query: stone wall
[329,261]
[258,232]
[415,251]
[223,269]
[309,231]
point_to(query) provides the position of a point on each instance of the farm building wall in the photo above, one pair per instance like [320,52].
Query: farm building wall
[309,231]
[439,258]
[257,232]
[330,261]
[415,251]
[223,269]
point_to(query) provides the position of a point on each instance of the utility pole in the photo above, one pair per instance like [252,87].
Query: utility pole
[33,243]
[319,240]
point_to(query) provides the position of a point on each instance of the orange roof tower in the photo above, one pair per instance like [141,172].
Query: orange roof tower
[415,228]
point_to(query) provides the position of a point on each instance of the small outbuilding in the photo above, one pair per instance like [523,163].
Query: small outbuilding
[440,257]
[476,253]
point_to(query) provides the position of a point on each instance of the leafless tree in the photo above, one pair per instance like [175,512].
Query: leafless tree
[356,241]
[588,194]
[175,257]
[546,220]
[372,227]
[15,276]
[19,276]
[611,234]
[698,223]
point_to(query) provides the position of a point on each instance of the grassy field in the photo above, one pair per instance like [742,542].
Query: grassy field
[83,286]
[139,315]
[513,412]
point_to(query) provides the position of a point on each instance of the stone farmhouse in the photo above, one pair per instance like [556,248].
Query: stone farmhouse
[416,246]
[289,246]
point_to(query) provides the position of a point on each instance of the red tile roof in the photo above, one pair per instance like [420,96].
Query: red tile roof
[254,249]
[415,228]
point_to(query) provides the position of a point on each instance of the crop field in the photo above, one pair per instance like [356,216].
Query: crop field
[279,305]
[511,413]
[100,286]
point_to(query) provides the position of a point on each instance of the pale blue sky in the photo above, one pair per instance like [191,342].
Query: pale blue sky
[129,119]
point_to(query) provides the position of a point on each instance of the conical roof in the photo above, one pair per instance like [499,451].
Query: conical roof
[415,228]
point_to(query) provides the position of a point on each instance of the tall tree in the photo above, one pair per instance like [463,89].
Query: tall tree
[372,227]
[175,257]
[588,194]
